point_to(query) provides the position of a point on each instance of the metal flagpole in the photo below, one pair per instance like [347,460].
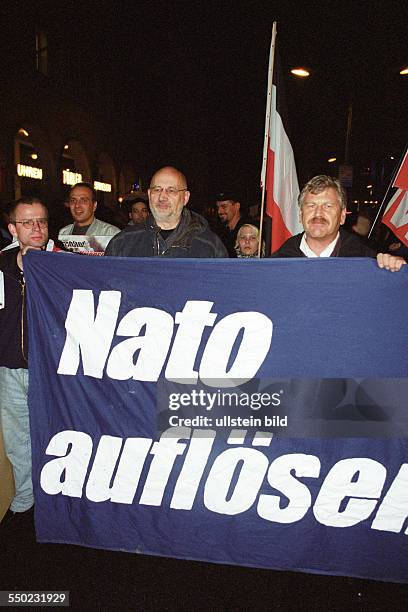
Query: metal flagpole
[266,133]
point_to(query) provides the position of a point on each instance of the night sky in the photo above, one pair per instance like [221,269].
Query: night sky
[185,81]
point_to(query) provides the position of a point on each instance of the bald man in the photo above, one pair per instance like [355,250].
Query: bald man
[171,230]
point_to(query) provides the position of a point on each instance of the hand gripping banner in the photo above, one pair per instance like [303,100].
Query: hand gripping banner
[233,411]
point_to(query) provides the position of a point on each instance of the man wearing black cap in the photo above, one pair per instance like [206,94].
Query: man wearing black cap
[229,212]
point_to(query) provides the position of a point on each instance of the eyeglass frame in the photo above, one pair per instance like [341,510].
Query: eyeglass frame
[30,223]
[157,190]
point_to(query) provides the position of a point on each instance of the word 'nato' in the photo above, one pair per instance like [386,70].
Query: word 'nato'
[90,333]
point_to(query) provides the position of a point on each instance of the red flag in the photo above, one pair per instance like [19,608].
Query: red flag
[396,213]
[279,169]
[401,180]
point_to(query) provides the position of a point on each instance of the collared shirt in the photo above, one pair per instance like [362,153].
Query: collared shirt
[306,250]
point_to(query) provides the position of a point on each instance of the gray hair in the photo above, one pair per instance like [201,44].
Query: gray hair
[319,183]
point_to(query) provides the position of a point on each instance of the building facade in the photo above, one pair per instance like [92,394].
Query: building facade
[57,115]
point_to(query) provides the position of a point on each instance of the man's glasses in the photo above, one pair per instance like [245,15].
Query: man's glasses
[170,191]
[31,223]
[74,201]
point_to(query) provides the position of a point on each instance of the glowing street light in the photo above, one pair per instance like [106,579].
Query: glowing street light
[331,160]
[300,72]
[404,71]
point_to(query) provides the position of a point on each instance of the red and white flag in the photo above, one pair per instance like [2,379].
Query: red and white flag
[396,213]
[279,169]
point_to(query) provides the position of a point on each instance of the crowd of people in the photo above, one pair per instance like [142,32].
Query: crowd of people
[230,218]
[161,225]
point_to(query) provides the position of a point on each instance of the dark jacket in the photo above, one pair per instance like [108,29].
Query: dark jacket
[12,352]
[13,311]
[191,238]
[348,245]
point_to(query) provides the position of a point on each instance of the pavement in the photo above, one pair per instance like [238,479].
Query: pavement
[109,580]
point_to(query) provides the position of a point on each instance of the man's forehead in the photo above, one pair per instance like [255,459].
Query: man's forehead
[139,205]
[81,191]
[31,210]
[225,202]
[169,177]
[326,194]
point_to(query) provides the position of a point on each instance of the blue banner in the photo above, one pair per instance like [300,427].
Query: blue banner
[185,408]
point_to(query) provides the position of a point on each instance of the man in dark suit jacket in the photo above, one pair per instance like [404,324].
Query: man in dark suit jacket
[322,204]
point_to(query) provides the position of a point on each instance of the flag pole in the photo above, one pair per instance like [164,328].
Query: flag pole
[397,167]
[266,132]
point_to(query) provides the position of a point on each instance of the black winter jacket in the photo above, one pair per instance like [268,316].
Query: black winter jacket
[191,238]
[348,245]
[12,338]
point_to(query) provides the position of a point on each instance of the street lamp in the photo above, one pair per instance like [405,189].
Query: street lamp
[300,72]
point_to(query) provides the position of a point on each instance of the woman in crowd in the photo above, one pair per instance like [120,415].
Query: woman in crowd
[247,242]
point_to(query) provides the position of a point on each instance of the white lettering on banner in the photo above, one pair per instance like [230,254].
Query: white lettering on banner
[90,335]
[154,345]
[270,507]
[217,494]
[164,452]
[254,347]
[351,480]
[348,495]
[194,317]
[193,468]
[73,464]
[123,489]
[393,512]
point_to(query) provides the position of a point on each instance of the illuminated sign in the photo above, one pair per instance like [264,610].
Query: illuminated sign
[71,178]
[98,186]
[29,171]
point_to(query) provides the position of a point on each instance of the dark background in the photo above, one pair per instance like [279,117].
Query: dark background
[184,82]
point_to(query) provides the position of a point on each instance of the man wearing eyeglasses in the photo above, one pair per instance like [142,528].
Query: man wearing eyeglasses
[171,230]
[322,212]
[29,227]
[82,204]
